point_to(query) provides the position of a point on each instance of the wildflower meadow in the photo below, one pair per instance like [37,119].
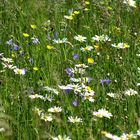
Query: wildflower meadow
[69,69]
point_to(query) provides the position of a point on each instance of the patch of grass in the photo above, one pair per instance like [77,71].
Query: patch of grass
[40,37]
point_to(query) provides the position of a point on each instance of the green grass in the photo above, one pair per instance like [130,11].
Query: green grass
[113,18]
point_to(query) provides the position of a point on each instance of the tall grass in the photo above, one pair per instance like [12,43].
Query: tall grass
[45,64]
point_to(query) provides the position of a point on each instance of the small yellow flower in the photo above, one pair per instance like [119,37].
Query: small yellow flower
[35,68]
[49,47]
[103,132]
[87,2]
[88,88]
[76,12]
[33,26]
[126,45]
[13,55]
[90,60]
[96,46]
[25,35]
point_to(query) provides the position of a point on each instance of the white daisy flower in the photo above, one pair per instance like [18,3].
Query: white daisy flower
[87,48]
[36,96]
[74,119]
[89,98]
[60,41]
[102,113]
[80,38]
[112,95]
[55,109]
[47,117]
[8,66]
[102,38]
[131,92]
[131,3]
[78,70]
[81,66]
[19,71]
[59,137]
[63,87]
[38,111]
[7,60]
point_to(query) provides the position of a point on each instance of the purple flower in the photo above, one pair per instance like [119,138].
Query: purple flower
[48,37]
[55,35]
[105,81]
[75,56]
[69,72]
[67,90]
[16,47]
[35,40]
[9,42]
[89,79]
[31,60]
[75,102]
[108,81]
[11,49]
[102,81]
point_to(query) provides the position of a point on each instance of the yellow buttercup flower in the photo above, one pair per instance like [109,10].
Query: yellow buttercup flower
[88,88]
[35,68]
[13,55]
[33,26]
[76,12]
[87,2]
[90,60]
[103,132]
[126,45]
[96,46]
[49,47]
[25,35]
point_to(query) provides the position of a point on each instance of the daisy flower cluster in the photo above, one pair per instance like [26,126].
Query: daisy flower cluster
[78,84]
[46,117]
[7,63]
[124,136]
[121,45]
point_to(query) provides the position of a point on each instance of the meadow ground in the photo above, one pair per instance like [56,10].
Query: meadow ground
[69,69]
